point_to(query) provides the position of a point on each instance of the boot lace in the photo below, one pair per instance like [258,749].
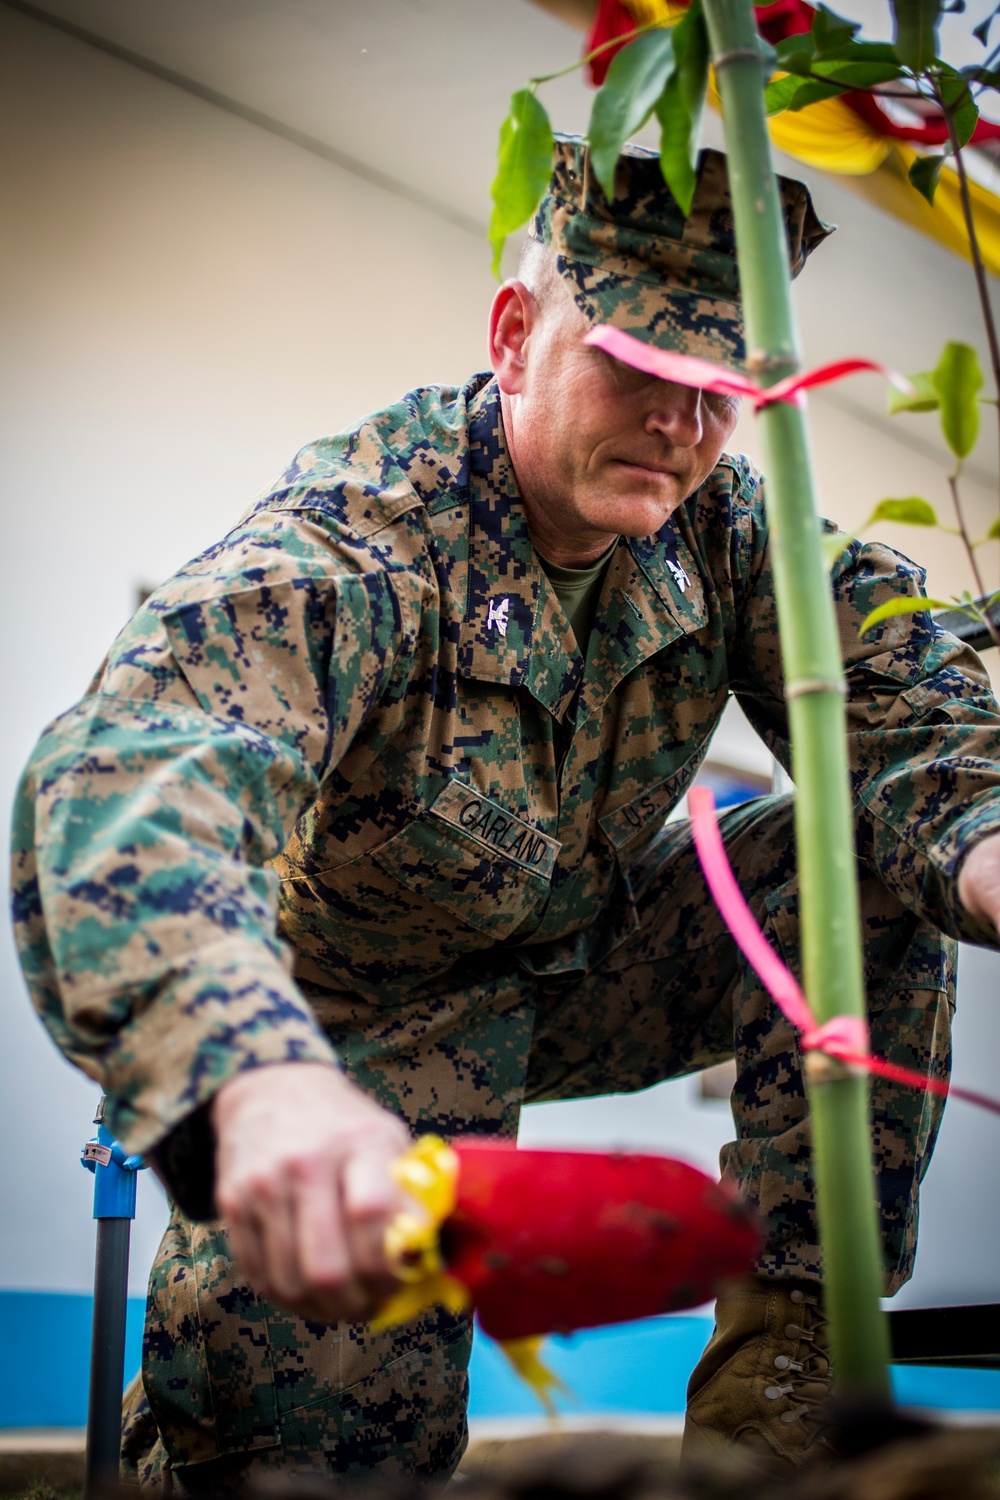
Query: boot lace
[804,1380]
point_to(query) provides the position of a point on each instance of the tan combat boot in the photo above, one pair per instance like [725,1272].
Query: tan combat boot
[764,1373]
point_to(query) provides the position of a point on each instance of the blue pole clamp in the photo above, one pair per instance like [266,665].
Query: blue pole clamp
[114,1175]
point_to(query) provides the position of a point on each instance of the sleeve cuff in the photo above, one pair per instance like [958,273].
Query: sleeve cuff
[184,1161]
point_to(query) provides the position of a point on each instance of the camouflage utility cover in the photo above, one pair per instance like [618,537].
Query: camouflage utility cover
[639,263]
[354,744]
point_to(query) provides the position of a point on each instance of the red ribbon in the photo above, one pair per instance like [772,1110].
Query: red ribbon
[706,375]
[844,1037]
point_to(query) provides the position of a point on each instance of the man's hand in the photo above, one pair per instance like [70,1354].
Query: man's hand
[979,880]
[303,1182]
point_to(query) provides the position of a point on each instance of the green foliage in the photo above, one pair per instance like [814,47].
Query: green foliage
[636,78]
[828,61]
[860,64]
[909,512]
[923,395]
[982,31]
[853,62]
[993,535]
[976,73]
[953,389]
[794,54]
[834,543]
[524,162]
[795,93]
[831,32]
[679,107]
[957,97]
[925,174]
[958,380]
[894,607]
[916,40]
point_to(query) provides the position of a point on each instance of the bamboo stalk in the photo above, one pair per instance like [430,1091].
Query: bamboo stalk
[852,1255]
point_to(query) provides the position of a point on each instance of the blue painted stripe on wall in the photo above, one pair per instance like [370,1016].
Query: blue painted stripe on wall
[643,1368]
[45,1356]
[631,1369]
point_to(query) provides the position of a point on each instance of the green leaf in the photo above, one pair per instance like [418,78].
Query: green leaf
[849,64]
[907,606]
[923,398]
[636,79]
[993,534]
[957,95]
[679,107]
[859,52]
[794,54]
[795,93]
[524,164]
[916,37]
[958,379]
[830,30]
[924,175]
[799,63]
[976,73]
[909,512]
[982,31]
[859,72]
[834,543]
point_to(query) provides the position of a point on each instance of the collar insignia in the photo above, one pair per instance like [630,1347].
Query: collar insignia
[496,617]
[679,576]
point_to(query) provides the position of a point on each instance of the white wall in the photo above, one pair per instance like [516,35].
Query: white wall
[186,300]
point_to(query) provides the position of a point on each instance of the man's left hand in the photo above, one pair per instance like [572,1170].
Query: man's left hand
[979,880]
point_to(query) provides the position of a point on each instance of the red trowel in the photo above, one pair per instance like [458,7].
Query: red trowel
[542,1242]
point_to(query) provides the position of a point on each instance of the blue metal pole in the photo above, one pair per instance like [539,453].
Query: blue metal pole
[114,1210]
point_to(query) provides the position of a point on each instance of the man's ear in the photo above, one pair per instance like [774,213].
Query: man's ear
[512,318]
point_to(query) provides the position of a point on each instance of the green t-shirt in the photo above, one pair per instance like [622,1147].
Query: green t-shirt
[578,590]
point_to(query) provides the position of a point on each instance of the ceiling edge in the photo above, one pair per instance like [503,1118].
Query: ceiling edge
[255,117]
[576,13]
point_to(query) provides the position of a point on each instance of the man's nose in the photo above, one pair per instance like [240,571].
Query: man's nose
[676,413]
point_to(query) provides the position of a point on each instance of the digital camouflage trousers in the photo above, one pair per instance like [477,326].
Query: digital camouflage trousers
[234,1386]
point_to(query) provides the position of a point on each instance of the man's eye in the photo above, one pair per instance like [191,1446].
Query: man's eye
[632,380]
[721,405]
[619,376]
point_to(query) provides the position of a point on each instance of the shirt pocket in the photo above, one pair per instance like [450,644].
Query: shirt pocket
[475,859]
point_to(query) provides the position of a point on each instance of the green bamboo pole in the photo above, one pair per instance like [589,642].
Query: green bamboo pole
[838,1102]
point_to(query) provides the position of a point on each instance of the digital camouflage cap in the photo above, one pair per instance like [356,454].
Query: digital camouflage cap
[640,265]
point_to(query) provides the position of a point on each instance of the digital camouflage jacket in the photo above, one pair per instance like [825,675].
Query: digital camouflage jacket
[355,741]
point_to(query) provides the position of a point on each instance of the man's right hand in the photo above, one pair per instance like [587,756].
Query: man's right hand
[304,1184]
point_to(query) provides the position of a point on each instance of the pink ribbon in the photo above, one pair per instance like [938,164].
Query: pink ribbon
[844,1037]
[705,375]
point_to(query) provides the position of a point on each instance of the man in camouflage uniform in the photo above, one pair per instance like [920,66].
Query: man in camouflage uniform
[382,778]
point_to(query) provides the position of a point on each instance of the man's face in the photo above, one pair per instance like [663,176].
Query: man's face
[599,449]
